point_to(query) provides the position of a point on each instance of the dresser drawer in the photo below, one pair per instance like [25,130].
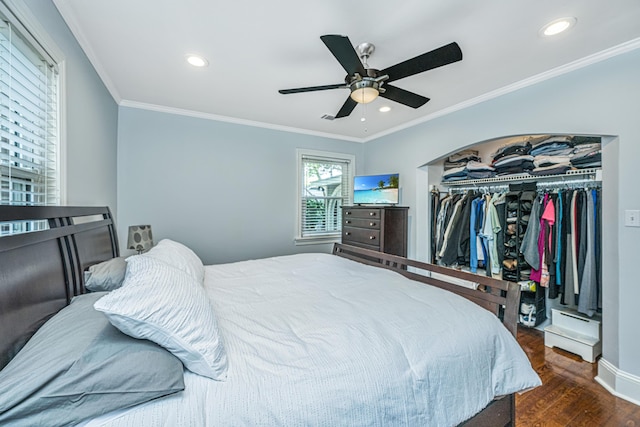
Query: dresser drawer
[361,213]
[372,223]
[361,235]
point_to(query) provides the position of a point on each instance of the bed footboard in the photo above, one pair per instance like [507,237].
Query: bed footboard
[498,296]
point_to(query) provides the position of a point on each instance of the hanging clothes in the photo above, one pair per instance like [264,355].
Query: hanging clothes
[434,210]
[490,231]
[588,298]
[469,236]
[528,246]
[547,222]
[449,252]
[559,234]
[560,240]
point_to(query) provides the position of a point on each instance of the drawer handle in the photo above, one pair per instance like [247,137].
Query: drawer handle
[348,212]
[372,224]
[372,214]
[372,237]
[347,222]
[347,233]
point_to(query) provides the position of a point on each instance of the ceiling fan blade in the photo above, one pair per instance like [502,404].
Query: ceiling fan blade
[343,50]
[347,108]
[427,61]
[313,88]
[403,96]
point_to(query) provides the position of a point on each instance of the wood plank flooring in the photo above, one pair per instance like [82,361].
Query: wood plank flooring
[569,395]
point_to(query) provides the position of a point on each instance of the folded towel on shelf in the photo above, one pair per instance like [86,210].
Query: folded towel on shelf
[545,160]
[455,172]
[592,159]
[556,169]
[518,148]
[461,158]
[525,167]
[480,174]
[554,149]
[565,139]
[585,148]
[454,178]
[512,160]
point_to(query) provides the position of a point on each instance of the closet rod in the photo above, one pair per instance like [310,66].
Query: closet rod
[495,188]
[569,184]
[593,174]
[549,185]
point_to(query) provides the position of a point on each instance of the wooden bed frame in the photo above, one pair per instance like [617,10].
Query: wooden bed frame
[498,296]
[41,271]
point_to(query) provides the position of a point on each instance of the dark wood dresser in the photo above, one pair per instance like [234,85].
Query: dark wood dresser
[382,229]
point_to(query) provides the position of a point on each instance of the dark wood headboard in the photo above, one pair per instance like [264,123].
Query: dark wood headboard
[40,271]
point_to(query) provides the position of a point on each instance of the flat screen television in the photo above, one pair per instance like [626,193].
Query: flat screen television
[376,189]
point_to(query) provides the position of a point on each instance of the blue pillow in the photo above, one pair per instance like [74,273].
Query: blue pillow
[78,366]
[105,276]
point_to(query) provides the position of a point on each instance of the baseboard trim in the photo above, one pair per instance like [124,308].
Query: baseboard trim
[619,383]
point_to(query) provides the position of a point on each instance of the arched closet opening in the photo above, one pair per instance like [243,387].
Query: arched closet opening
[527,209]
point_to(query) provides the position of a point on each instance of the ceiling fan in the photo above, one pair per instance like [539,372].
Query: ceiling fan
[367,83]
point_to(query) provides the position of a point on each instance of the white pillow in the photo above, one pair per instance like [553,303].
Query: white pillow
[167,306]
[179,256]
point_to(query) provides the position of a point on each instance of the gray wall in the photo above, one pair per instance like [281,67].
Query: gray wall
[601,99]
[227,191]
[91,117]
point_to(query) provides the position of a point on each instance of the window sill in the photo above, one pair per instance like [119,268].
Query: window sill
[320,240]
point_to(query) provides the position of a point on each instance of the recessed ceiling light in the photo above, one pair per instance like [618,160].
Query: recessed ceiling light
[384,109]
[558,26]
[197,60]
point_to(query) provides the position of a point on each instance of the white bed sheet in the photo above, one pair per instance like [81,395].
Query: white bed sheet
[318,340]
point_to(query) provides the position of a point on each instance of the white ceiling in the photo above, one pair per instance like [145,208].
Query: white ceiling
[256,47]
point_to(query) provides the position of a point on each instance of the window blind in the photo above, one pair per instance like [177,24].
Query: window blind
[29,142]
[326,188]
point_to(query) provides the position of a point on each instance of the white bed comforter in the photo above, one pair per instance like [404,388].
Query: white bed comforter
[318,340]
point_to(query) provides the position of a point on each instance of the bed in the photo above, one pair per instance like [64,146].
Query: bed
[355,337]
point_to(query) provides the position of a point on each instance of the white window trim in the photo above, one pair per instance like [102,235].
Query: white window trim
[300,152]
[41,38]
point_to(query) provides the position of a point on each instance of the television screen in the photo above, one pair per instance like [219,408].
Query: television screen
[376,189]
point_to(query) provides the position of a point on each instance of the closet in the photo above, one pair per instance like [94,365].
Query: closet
[529,213]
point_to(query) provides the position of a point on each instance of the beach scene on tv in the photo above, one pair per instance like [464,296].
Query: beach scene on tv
[376,189]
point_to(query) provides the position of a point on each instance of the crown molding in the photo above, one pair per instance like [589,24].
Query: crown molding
[234,120]
[69,17]
[538,78]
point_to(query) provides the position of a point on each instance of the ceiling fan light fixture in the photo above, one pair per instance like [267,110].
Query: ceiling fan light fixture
[364,91]
[558,26]
[364,95]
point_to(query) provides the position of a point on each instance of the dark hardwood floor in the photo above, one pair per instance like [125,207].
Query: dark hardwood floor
[569,395]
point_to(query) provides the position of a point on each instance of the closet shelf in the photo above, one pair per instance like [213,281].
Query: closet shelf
[572,176]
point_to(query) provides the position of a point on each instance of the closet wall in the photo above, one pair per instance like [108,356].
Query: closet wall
[525,214]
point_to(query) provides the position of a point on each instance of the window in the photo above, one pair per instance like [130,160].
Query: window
[29,129]
[29,137]
[324,186]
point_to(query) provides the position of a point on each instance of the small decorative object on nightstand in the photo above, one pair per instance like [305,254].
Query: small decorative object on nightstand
[140,238]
